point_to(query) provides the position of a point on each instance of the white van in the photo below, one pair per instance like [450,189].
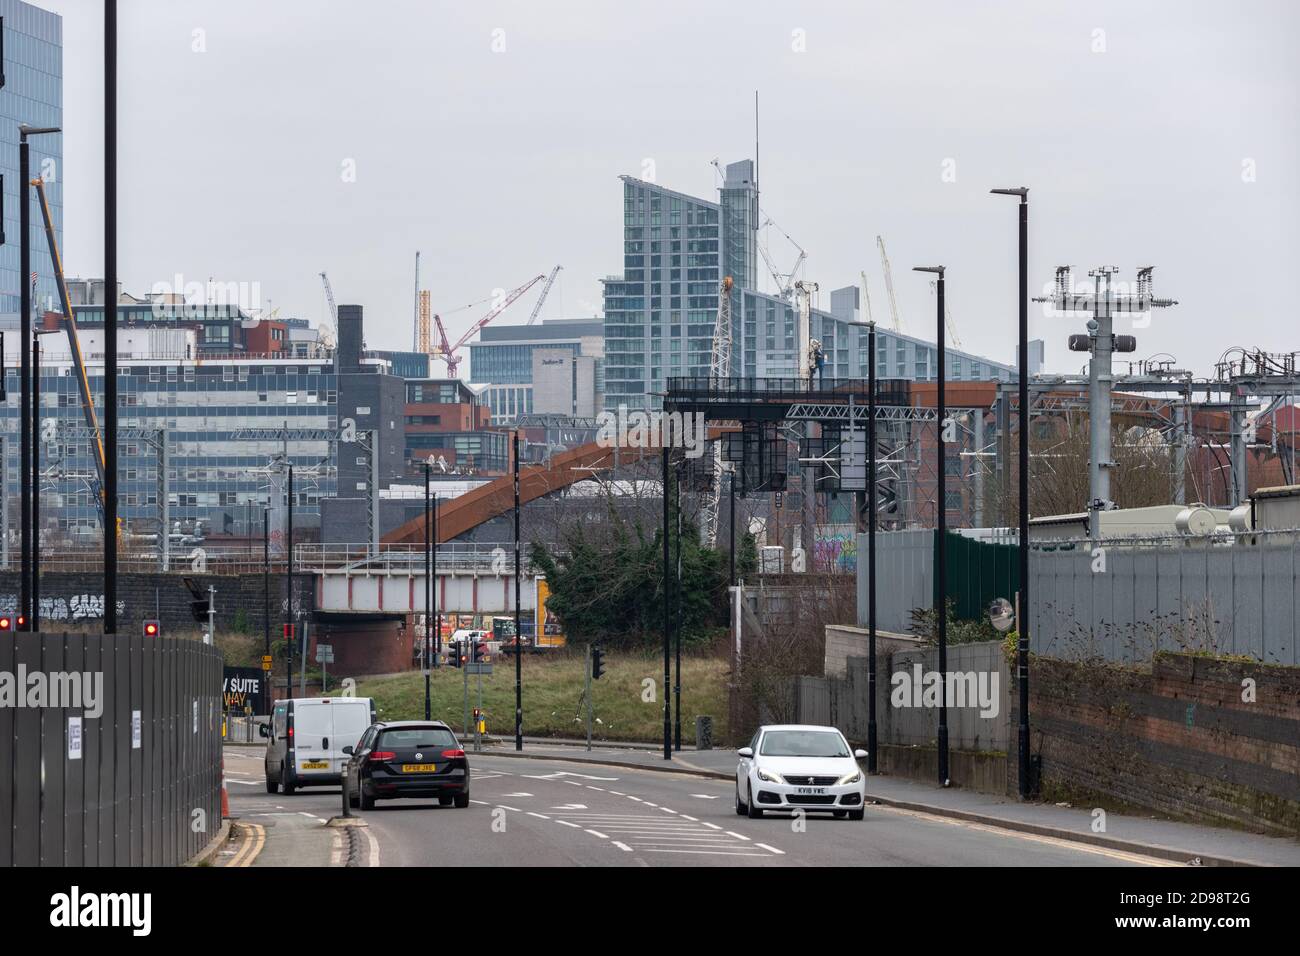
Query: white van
[307,736]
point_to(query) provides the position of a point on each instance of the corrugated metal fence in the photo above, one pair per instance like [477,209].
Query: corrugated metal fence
[1237,596]
[122,764]
[904,578]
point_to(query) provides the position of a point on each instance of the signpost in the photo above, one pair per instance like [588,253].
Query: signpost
[324,655]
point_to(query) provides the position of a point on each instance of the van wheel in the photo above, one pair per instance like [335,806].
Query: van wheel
[284,782]
[272,786]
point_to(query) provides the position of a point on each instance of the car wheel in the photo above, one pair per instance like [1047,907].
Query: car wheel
[444,801]
[839,814]
[462,800]
[741,809]
[752,811]
[284,782]
[354,799]
[272,786]
[366,800]
[857,814]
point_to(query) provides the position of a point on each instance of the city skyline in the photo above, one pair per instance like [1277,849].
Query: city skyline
[1187,109]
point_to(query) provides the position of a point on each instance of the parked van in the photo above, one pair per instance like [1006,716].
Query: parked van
[307,736]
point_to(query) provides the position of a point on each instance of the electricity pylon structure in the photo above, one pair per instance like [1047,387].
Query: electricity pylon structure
[719,369]
[1102,303]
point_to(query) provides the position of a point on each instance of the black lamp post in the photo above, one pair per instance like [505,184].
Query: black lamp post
[872,731]
[941,523]
[428,591]
[668,728]
[1022,609]
[27,439]
[266,603]
[519,645]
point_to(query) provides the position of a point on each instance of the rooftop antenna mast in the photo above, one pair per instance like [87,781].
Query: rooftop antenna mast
[415,325]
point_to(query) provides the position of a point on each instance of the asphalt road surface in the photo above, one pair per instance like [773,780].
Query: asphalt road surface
[553,813]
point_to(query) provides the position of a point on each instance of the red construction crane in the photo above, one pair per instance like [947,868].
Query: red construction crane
[448,353]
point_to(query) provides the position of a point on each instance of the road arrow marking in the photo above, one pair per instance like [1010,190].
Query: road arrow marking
[705,796]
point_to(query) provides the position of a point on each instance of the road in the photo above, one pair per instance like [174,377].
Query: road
[553,813]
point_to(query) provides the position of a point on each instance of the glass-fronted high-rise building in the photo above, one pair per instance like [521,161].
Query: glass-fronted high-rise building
[32,94]
[660,313]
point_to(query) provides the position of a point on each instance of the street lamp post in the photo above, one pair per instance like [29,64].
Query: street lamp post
[110,317]
[668,729]
[941,522]
[428,591]
[872,730]
[677,626]
[519,645]
[266,601]
[1022,605]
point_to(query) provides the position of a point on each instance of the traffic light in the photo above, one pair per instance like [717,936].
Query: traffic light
[454,658]
[152,629]
[6,623]
[20,621]
[479,653]
[597,662]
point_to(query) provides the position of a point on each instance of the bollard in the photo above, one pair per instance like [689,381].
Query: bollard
[347,806]
[704,733]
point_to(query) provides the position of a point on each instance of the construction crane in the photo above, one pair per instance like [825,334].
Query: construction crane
[889,284]
[719,368]
[866,298]
[784,280]
[70,324]
[537,309]
[447,352]
[327,330]
[423,332]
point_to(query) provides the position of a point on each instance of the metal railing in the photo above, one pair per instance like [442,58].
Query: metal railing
[889,391]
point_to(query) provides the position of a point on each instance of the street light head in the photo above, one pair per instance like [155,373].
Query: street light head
[937,270]
[24,130]
[1021,191]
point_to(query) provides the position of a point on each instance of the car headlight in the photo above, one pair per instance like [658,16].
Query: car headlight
[769,777]
[853,777]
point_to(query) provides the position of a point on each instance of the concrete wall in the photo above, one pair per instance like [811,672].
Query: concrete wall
[843,642]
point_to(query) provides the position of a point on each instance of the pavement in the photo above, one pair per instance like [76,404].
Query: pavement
[558,805]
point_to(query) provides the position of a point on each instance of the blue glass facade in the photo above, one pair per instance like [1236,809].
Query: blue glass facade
[213,476]
[32,94]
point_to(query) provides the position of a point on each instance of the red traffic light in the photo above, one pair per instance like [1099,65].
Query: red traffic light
[151,628]
[6,623]
[288,631]
[20,622]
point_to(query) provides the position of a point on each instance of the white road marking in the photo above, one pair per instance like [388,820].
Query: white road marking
[540,816]
[511,809]
[566,823]
[705,796]
[692,819]
[711,826]
[374,847]
[649,804]
[738,836]
[590,787]
[715,852]
[617,794]
[623,846]
[597,833]
[564,773]
[519,794]
[666,810]
[571,806]
[771,849]
[247,783]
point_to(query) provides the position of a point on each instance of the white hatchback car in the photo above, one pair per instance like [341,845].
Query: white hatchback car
[800,766]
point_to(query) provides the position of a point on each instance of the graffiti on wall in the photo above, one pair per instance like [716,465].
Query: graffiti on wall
[835,548]
[78,607]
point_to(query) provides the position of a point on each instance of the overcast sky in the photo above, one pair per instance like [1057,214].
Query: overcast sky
[490,136]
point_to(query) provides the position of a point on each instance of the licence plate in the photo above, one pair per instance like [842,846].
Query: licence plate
[315,765]
[419,768]
[810,790]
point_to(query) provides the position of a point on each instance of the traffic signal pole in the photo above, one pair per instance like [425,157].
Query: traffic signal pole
[588,696]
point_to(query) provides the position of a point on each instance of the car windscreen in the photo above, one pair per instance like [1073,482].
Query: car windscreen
[419,738]
[803,743]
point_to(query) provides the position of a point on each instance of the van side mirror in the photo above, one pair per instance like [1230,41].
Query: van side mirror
[263,730]
[348,750]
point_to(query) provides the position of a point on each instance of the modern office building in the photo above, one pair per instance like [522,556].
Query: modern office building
[447,425]
[32,94]
[661,312]
[504,361]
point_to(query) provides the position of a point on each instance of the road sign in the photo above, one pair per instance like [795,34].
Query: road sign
[266,662]
[324,653]
[477,668]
